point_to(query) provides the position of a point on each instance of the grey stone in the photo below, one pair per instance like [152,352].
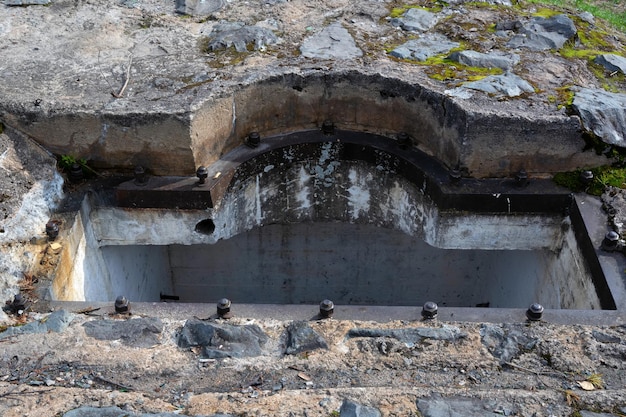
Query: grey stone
[26,2]
[334,41]
[542,34]
[238,35]
[412,335]
[507,84]
[352,409]
[456,407]
[506,342]
[490,60]
[612,62]
[509,25]
[55,322]
[222,340]
[141,332]
[605,338]
[492,2]
[416,19]
[302,338]
[425,47]
[587,17]
[602,113]
[198,7]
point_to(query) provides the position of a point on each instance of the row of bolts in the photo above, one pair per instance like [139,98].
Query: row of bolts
[327,309]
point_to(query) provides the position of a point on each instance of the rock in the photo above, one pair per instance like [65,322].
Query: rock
[491,60]
[222,340]
[118,412]
[425,47]
[141,332]
[543,34]
[412,335]
[505,342]
[507,84]
[26,2]
[352,409]
[602,113]
[334,41]
[587,17]
[605,338]
[416,19]
[302,338]
[456,407]
[491,2]
[612,62]
[238,35]
[198,7]
[509,25]
[55,322]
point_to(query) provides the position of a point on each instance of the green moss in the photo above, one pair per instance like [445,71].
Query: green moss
[546,13]
[565,96]
[602,177]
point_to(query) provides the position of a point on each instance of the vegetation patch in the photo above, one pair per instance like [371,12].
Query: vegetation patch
[604,176]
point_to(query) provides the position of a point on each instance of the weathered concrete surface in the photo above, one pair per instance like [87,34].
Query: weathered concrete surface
[396,368]
[183,107]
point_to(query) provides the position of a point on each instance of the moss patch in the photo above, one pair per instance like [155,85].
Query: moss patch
[602,177]
[546,13]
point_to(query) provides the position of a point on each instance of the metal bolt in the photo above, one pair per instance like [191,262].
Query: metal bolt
[122,305]
[429,311]
[610,241]
[586,177]
[455,176]
[534,312]
[52,230]
[328,127]
[404,140]
[141,178]
[202,173]
[253,140]
[521,178]
[327,308]
[223,307]
[76,173]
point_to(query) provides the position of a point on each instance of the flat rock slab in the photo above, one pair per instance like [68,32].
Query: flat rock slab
[501,60]
[542,34]
[332,42]
[302,338]
[222,340]
[505,342]
[198,7]
[460,407]
[612,62]
[55,322]
[508,84]
[412,335]
[239,36]
[141,332]
[353,409]
[602,113]
[425,47]
[416,20]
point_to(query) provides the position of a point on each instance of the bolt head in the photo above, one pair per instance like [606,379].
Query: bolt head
[610,241]
[327,308]
[52,230]
[586,177]
[202,173]
[328,127]
[76,173]
[223,307]
[140,175]
[253,140]
[455,175]
[521,178]
[534,312]
[404,140]
[122,305]
[429,310]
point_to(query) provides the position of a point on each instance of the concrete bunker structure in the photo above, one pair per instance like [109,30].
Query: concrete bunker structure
[327,213]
